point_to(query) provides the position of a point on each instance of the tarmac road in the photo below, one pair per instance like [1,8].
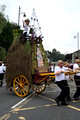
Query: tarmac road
[38,106]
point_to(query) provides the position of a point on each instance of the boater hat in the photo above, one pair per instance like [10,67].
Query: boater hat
[27,20]
[52,63]
[60,62]
[66,64]
[77,61]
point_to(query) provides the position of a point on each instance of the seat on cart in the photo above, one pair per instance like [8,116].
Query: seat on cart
[42,69]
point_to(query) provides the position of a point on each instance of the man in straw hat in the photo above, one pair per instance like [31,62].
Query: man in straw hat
[61,82]
[26,26]
[26,30]
[77,79]
[51,69]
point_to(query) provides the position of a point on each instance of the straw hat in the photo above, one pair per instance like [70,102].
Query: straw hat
[60,62]
[52,63]
[27,20]
[66,64]
[77,61]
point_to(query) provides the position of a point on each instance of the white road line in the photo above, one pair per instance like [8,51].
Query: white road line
[4,85]
[22,100]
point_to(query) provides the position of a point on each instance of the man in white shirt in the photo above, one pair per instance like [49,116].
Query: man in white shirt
[26,26]
[51,69]
[61,82]
[77,79]
[1,73]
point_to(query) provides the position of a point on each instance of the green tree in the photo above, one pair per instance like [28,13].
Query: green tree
[2,53]
[3,20]
[6,28]
[6,36]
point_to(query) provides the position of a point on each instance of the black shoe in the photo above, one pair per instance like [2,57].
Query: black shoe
[64,104]
[57,101]
[76,98]
[69,99]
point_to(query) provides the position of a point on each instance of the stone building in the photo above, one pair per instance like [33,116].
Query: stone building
[75,55]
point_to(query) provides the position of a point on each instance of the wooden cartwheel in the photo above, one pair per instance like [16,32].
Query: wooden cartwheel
[21,86]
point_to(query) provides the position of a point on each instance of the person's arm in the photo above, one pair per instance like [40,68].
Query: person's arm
[23,23]
[71,78]
[59,72]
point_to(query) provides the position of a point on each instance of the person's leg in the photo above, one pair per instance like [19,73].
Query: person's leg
[77,93]
[1,79]
[63,93]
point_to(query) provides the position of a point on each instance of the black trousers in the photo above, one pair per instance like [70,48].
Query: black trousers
[64,91]
[1,78]
[77,82]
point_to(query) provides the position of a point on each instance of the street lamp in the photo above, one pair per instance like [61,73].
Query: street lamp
[77,36]
[20,12]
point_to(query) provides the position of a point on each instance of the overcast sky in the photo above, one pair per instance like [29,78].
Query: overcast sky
[59,20]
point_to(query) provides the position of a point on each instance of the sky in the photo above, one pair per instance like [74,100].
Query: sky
[59,21]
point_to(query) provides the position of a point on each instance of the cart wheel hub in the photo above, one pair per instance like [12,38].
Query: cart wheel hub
[21,86]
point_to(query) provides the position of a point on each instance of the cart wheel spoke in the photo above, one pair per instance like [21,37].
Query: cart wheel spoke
[17,82]
[23,91]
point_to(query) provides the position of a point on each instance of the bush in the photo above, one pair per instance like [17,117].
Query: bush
[2,53]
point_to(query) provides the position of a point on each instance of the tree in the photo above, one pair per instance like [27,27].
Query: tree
[55,55]
[6,36]
[2,53]
[3,20]
[6,28]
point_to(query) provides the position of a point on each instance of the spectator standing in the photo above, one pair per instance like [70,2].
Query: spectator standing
[2,70]
[52,69]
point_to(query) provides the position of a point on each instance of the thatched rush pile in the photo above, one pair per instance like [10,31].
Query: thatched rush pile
[18,60]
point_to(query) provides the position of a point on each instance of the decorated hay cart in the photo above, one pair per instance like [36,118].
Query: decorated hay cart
[27,63]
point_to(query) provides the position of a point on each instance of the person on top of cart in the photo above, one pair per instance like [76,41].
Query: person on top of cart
[26,30]
[61,83]
[26,27]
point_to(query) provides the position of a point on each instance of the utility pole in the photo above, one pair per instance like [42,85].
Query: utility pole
[20,12]
[78,40]
[77,36]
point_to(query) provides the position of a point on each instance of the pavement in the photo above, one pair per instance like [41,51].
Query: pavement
[38,106]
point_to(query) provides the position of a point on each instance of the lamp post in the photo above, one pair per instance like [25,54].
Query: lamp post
[77,36]
[20,12]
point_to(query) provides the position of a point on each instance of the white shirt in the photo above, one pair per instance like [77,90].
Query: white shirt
[26,28]
[52,68]
[74,68]
[61,76]
[1,69]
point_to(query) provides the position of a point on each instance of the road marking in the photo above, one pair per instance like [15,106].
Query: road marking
[4,85]
[22,100]
[35,107]
[22,118]
[73,107]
